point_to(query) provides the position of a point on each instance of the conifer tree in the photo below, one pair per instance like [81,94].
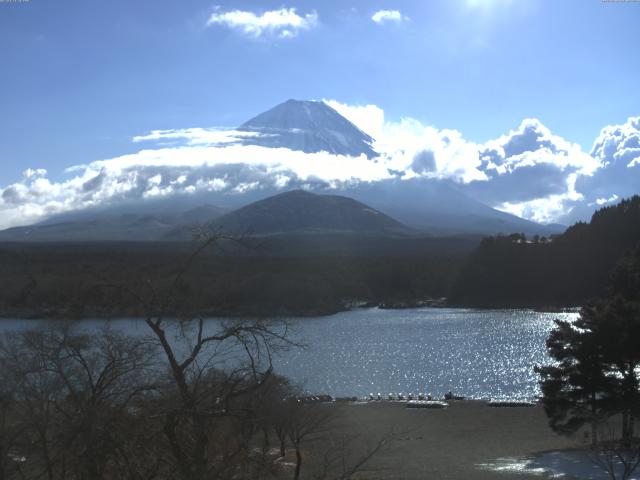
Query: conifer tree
[597,374]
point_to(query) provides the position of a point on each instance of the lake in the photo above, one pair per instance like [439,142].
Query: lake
[476,353]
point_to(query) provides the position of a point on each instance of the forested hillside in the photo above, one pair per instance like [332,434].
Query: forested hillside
[94,279]
[513,271]
[320,274]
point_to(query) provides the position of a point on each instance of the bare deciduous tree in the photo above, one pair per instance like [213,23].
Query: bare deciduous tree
[239,352]
[74,393]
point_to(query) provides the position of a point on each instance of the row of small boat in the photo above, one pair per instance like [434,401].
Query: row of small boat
[426,404]
[400,397]
[491,403]
[420,400]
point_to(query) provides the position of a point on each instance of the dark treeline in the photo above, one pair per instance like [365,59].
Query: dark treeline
[314,275]
[513,271]
[78,280]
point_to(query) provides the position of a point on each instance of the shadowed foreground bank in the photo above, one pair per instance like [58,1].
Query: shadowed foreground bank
[451,443]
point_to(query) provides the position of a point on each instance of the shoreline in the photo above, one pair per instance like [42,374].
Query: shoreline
[459,442]
[56,315]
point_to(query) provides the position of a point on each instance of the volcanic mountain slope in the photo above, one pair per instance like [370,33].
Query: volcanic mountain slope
[431,205]
[303,212]
[310,127]
[438,208]
[107,226]
[295,212]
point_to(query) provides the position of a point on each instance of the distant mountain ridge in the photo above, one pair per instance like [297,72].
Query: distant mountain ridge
[104,226]
[294,212]
[299,211]
[431,205]
[438,208]
[310,127]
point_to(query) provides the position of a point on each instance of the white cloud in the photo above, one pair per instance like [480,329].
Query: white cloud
[404,144]
[533,143]
[195,136]
[604,201]
[195,167]
[388,16]
[408,143]
[321,165]
[283,23]
[531,171]
[368,118]
[619,145]
[617,150]
[30,173]
[546,209]
[528,172]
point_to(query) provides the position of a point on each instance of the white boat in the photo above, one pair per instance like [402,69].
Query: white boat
[426,404]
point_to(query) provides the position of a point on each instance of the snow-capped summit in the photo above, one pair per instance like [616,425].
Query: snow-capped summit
[308,126]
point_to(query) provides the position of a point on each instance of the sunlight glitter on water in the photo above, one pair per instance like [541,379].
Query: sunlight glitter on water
[476,353]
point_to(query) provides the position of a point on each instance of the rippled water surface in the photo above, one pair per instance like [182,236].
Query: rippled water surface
[477,353]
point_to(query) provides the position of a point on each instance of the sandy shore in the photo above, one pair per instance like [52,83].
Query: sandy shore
[451,443]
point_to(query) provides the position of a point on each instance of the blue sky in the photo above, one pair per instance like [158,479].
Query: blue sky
[81,78]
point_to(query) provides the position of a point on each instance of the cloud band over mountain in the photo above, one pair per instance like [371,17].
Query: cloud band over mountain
[529,171]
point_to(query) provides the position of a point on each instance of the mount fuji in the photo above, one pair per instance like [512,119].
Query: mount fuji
[309,127]
[430,206]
